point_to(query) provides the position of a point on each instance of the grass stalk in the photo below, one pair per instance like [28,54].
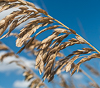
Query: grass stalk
[75,34]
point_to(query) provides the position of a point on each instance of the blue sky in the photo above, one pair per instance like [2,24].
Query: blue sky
[81,15]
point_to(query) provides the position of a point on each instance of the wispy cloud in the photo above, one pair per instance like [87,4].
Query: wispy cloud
[65,75]
[21,84]
[5,67]
[1,87]
[78,76]
[7,12]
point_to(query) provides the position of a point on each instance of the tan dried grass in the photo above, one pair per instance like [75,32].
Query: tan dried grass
[48,48]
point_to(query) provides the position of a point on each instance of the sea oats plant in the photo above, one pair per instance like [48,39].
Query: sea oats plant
[49,48]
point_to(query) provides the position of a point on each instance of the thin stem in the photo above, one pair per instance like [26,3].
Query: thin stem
[59,22]
[76,33]
[89,44]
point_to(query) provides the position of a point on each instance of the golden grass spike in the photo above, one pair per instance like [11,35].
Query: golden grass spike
[68,66]
[41,67]
[34,45]
[59,54]
[50,61]
[23,8]
[74,32]
[23,2]
[49,28]
[20,40]
[61,30]
[41,11]
[48,69]
[30,76]
[2,22]
[33,23]
[26,73]
[80,39]
[30,4]
[12,27]
[60,66]
[94,55]
[49,38]
[8,20]
[9,6]
[5,7]
[59,39]
[38,59]
[25,19]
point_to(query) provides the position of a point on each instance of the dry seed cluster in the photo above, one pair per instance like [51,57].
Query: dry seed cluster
[49,48]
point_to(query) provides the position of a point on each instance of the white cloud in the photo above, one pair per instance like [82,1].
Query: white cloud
[5,67]
[21,84]
[1,53]
[1,87]
[77,76]
[7,12]
[29,63]
[19,72]
[65,75]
